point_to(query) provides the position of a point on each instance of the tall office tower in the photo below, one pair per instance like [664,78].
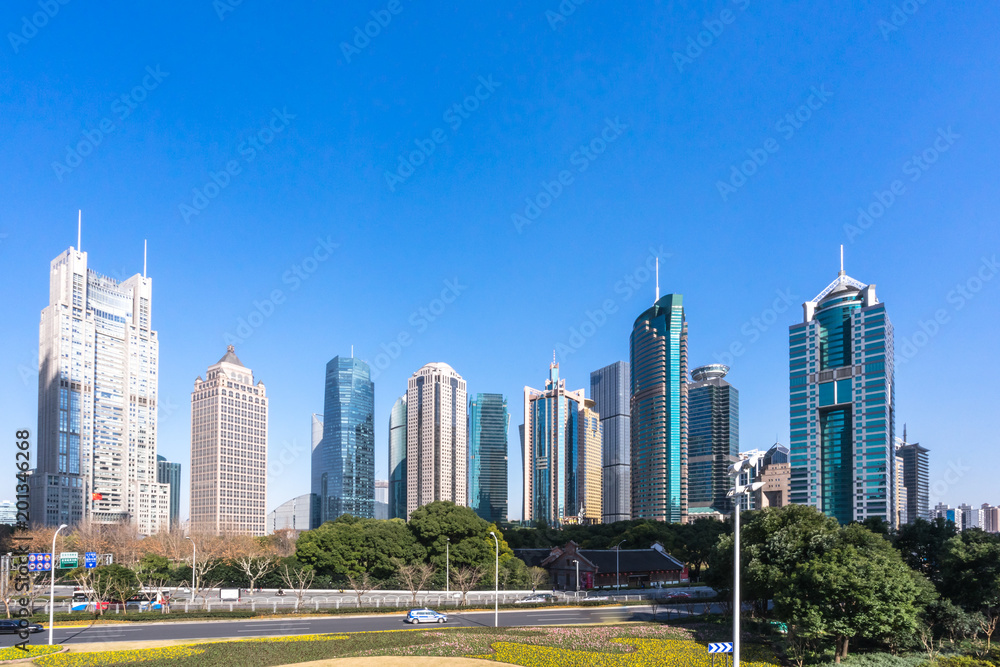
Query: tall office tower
[488,423]
[561,450]
[713,439]
[97,398]
[397,459]
[991,518]
[915,462]
[777,476]
[315,438]
[436,445]
[170,474]
[228,450]
[659,410]
[842,406]
[343,464]
[609,387]
[381,499]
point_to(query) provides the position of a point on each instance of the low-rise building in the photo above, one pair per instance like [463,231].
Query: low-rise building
[606,568]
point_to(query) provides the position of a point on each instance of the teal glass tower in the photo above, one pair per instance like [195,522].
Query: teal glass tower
[658,401]
[397,459]
[713,439]
[488,424]
[842,404]
[343,464]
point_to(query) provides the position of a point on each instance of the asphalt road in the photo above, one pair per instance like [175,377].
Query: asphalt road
[196,630]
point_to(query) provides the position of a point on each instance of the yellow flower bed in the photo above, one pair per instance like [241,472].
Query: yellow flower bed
[33,650]
[669,652]
[111,657]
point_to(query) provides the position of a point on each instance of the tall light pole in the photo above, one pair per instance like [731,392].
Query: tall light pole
[577,591]
[618,568]
[52,584]
[737,493]
[447,565]
[496,585]
[194,563]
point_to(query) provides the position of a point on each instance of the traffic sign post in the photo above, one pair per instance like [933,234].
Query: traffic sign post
[90,559]
[721,647]
[69,560]
[39,562]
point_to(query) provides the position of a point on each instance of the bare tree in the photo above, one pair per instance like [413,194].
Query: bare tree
[361,584]
[537,576]
[123,541]
[283,542]
[988,624]
[254,557]
[466,578]
[414,577]
[298,579]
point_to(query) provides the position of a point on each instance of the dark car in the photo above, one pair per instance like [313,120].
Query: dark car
[12,627]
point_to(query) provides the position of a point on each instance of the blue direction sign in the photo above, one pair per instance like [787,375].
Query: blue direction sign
[90,559]
[722,647]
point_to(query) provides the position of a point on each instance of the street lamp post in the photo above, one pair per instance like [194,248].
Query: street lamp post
[194,563]
[736,493]
[577,590]
[52,584]
[496,585]
[618,569]
[447,565]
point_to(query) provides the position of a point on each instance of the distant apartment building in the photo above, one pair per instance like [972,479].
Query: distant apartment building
[970,517]
[943,511]
[397,459]
[170,474]
[229,449]
[713,442]
[437,446]
[97,402]
[915,464]
[609,388]
[8,513]
[343,464]
[991,518]
[561,451]
[774,471]
[488,424]
[659,412]
[295,514]
[842,404]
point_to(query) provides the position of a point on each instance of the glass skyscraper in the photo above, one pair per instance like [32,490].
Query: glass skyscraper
[170,474]
[397,459]
[488,423]
[713,439]
[343,464]
[609,387]
[659,413]
[842,404]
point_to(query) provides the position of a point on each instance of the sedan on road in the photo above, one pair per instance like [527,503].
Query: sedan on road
[532,599]
[425,616]
[11,627]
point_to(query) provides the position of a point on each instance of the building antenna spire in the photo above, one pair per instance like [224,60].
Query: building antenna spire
[657,280]
[144,243]
[904,434]
[841,260]
[352,352]
[79,228]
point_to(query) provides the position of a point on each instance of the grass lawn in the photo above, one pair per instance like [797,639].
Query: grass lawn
[608,646]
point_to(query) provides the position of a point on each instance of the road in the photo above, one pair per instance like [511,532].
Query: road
[204,630]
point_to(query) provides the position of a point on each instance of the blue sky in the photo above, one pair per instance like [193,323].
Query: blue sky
[735,140]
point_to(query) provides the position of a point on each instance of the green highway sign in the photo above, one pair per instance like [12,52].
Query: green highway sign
[69,560]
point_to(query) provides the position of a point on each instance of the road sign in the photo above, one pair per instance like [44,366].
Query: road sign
[39,562]
[69,560]
[90,559]
[723,647]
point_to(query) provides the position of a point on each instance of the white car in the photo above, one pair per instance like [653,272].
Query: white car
[534,599]
[425,616]
[596,598]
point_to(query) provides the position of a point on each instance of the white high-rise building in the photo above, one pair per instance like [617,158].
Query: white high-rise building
[97,401]
[228,450]
[436,437]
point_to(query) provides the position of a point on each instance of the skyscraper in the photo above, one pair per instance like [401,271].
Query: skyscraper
[713,439]
[842,406]
[229,449]
[659,412]
[561,450]
[397,459]
[97,401]
[436,442]
[609,387]
[488,423]
[170,474]
[915,462]
[343,465]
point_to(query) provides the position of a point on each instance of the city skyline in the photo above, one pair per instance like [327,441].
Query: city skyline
[535,222]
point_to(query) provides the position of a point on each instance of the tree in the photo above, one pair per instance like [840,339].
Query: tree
[922,545]
[700,538]
[971,577]
[415,577]
[299,579]
[118,582]
[538,577]
[253,557]
[471,545]
[466,578]
[153,572]
[361,584]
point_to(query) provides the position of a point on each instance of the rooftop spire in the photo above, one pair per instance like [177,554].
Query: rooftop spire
[79,228]
[841,260]
[657,280]
[144,258]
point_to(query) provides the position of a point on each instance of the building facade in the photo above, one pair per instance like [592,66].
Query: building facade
[229,449]
[97,402]
[561,450]
[842,406]
[295,514]
[488,425]
[609,388]
[397,459]
[343,465]
[713,439]
[437,448]
[170,474]
[659,412]
[991,518]
[915,463]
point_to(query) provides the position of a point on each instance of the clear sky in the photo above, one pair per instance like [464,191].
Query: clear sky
[735,140]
